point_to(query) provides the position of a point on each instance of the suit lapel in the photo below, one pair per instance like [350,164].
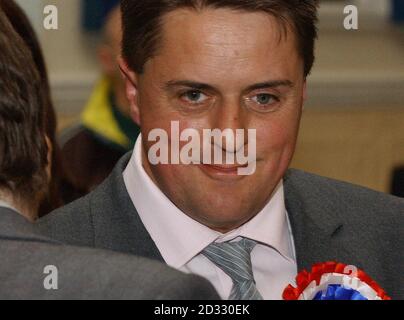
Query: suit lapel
[316,226]
[117,223]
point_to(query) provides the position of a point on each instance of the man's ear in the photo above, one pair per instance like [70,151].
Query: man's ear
[131,89]
[305,94]
[305,90]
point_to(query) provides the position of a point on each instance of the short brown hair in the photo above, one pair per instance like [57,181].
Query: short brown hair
[23,148]
[141,20]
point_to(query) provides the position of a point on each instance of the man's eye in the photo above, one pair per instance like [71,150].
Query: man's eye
[263,102]
[194,96]
[264,99]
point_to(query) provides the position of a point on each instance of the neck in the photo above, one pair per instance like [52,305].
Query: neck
[26,210]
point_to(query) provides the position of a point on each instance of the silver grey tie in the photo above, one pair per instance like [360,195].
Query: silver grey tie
[235,260]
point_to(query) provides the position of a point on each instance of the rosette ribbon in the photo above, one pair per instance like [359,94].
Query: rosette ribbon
[334,281]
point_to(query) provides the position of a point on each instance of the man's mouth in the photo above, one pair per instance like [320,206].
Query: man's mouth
[223,170]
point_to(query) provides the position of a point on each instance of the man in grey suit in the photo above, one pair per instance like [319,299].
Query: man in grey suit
[250,225]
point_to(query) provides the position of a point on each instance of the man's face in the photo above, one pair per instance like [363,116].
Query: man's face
[224,69]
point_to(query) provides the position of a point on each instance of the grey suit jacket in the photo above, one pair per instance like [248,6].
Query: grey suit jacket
[83,273]
[331,221]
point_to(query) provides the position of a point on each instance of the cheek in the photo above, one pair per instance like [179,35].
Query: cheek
[277,134]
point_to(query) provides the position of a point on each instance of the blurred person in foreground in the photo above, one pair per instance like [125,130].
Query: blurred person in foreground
[106,132]
[25,153]
[197,65]
[25,148]
[53,195]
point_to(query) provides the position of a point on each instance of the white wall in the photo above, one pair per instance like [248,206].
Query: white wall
[69,54]
[380,7]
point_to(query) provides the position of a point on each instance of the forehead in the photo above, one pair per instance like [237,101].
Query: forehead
[226,40]
[214,22]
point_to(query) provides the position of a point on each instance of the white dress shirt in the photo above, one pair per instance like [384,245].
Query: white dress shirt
[180,239]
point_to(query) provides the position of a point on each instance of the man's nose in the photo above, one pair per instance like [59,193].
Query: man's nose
[229,115]
[230,119]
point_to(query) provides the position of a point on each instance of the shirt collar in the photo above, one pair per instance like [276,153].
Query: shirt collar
[4,204]
[180,238]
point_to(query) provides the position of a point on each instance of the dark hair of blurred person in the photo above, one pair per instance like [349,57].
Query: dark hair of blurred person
[57,183]
[24,151]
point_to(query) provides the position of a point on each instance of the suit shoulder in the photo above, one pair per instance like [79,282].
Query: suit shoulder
[346,197]
[71,224]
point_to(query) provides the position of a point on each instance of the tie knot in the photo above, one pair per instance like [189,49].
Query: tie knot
[234,258]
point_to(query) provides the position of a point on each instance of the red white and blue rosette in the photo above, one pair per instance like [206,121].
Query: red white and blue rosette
[334,281]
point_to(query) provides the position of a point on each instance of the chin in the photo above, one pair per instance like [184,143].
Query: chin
[225,222]
[224,214]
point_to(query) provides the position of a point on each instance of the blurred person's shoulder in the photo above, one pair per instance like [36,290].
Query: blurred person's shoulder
[92,274]
[13,226]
